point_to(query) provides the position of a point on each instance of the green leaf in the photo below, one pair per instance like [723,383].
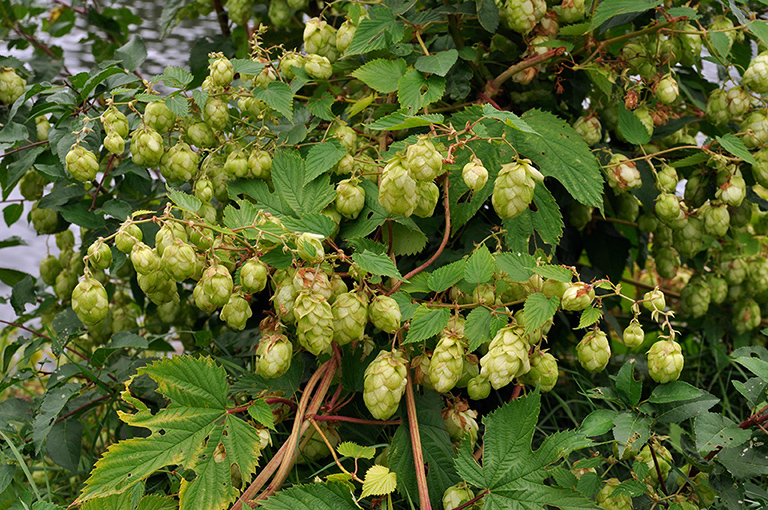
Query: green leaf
[322,157]
[321,107]
[11,277]
[557,273]
[377,263]
[760,29]
[156,502]
[598,422]
[426,323]
[178,104]
[13,132]
[372,215]
[174,77]
[80,214]
[277,95]
[482,325]
[194,432]
[132,53]
[288,177]
[736,147]
[715,431]
[488,15]
[538,310]
[631,127]
[546,220]
[381,74]
[23,293]
[608,9]
[379,481]
[262,413]
[415,91]
[316,496]
[743,462]
[445,277]
[401,119]
[98,79]
[438,63]
[247,66]
[628,389]
[354,450]
[119,341]
[508,118]
[513,472]
[407,238]
[64,443]
[53,402]
[631,430]
[189,203]
[379,31]
[516,265]
[561,153]
[722,45]
[588,317]
[480,266]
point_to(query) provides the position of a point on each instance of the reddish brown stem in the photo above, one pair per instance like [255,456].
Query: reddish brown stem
[28,146]
[278,400]
[662,483]
[101,182]
[473,500]
[443,244]
[493,86]
[221,15]
[418,455]
[361,421]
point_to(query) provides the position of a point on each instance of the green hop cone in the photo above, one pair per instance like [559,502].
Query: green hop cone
[179,163]
[179,260]
[50,267]
[397,192]
[717,107]
[114,143]
[279,13]
[11,85]
[216,113]
[606,501]
[259,164]
[384,383]
[350,315]
[733,190]
[461,422]
[456,496]
[513,190]
[89,301]
[236,312]
[100,255]
[688,239]
[428,196]
[290,60]
[350,198]
[203,188]
[718,288]
[216,285]
[145,260]
[320,39]
[423,161]
[578,296]
[159,117]
[309,279]
[283,300]
[447,363]
[633,334]
[236,164]
[664,459]
[200,134]
[667,179]
[384,313]
[42,127]
[253,276]
[344,36]
[579,215]
[667,262]
[670,210]
[522,15]
[479,388]
[690,45]
[316,448]
[82,163]
[570,11]
[622,174]
[507,357]
[755,129]
[589,128]
[127,236]
[66,282]
[265,77]
[594,351]
[667,90]
[746,316]
[346,136]
[665,361]
[318,67]
[314,322]
[755,77]
[32,185]
[739,101]
[115,121]
[717,219]
[310,248]
[146,147]
[221,69]
[474,174]
[544,371]
[734,269]
[167,234]
[695,298]
[275,352]
[760,170]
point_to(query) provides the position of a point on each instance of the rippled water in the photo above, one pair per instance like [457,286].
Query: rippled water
[172,50]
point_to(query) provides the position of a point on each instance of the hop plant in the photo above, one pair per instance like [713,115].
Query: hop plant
[570,11]
[344,36]
[622,174]
[200,134]
[717,219]
[259,164]
[755,77]
[667,90]
[738,100]
[594,351]
[746,316]
[145,260]
[159,117]
[428,194]
[346,136]
[236,164]
[397,192]
[456,496]
[253,276]
[236,312]
[717,107]
[314,322]
[179,260]
[127,236]
[290,60]
[514,187]
[216,113]
[114,143]
[50,267]
[544,371]
[384,383]
[115,121]
[474,174]
[588,127]
[522,15]
[82,163]
[216,285]
[695,298]
[633,334]
[461,422]
[577,296]
[310,248]
[279,13]
[146,147]
[479,388]
[100,255]
[320,39]
[32,185]
[350,315]
[665,361]
[275,352]
[507,357]
[350,198]
[89,301]
[423,161]
[755,129]
[663,458]
[311,280]
[446,364]
[607,501]
[733,190]
[11,85]
[221,69]
[384,313]
[318,67]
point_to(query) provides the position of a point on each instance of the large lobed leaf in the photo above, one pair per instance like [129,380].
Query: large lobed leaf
[194,432]
[513,473]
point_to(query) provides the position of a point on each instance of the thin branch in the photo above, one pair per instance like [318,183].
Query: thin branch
[14,151]
[494,86]
[360,421]
[443,244]
[473,500]
[101,182]
[662,483]
[221,15]
[418,455]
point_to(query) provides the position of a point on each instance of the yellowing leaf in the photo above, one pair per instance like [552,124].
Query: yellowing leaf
[379,481]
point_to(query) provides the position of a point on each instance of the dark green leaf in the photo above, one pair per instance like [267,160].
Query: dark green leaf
[631,430]
[13,132]
[381,74]
[628,389]
[376,263]
[598,422]
[277,95]
[288,177]
[184,201]
[538,310]
[631,127]
[247,66]
[178,104]
[53,402]
[736,147]
[445,277]
[482,325]
[401,119]
[558,273]
[414,90]
[426,323]
[175,77]
[262,413]
[132,53]
[480,266]
[516,265]
[11,277]
[488,15]
[715,431]
[631,488]
[745,463]
[438,63]
[316,496]
[608,9]
[377,32]
[80,214]
[23,293]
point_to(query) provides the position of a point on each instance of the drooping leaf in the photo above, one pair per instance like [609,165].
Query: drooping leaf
[379,481]
[277,95]
[612,8]
[354,450]
[402,119]
[631,430]
[736,147]
[322,157]
[439,63]
[187,202]
[288,177]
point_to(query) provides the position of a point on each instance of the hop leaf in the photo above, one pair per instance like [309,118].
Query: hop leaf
[379,481]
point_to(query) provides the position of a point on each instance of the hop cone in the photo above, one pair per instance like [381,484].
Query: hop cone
[350,198]
[216,285]
[475,175]
[146,147]
[594,351]
[11,85]
[384,313]
[447,363]
[543,371]
[456,495]
[350,315]
[384,384]
[522,15]
[665,361]
[608,502]
[159,117]
[622,174]
[89,301]
[236,312]
[82,164]
[461,422]
[275,352]
[397,193]
[507,357]
[514,186]
[423,160]
[314,322]
[746,316]
[695,298]
[756,76]
[253,276]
